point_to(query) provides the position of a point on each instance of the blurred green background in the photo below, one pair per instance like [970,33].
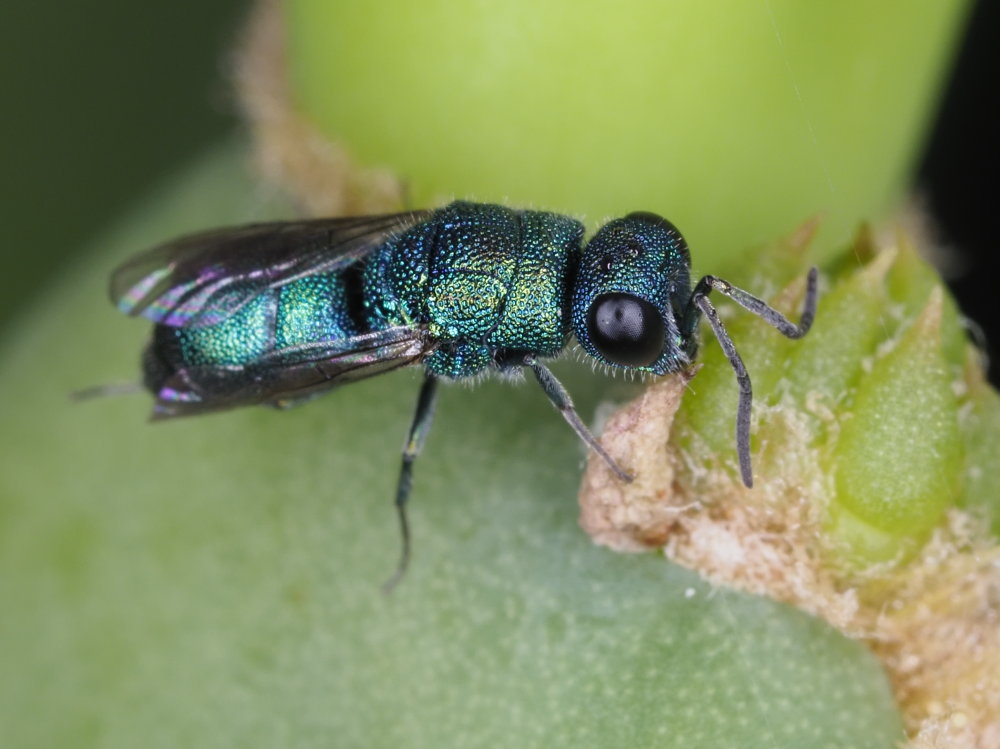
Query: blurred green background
[101,98]
[106,97]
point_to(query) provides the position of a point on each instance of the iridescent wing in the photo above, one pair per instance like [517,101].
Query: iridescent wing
[201,279]
[290,375]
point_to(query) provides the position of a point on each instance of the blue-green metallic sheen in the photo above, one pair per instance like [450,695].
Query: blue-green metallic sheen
[309,309]
[490,284]
[488,279]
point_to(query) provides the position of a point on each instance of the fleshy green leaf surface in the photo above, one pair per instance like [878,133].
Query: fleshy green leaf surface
[215,581]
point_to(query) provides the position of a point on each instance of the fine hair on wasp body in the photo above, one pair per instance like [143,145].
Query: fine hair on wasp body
[277,313]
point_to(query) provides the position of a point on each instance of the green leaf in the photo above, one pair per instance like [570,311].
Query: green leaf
[215,581]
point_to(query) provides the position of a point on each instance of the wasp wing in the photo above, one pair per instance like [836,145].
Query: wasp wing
[203,278]
[290,375]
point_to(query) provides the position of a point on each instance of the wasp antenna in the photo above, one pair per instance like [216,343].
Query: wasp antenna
[110,389]
[763,310]
[700,305]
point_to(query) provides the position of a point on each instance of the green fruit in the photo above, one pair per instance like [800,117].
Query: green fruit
[737,120]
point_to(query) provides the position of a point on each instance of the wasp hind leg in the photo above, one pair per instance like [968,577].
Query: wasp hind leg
[421,425]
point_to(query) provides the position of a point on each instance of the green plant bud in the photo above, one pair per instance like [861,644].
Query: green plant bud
[910,281]
[828,360]
[870,398]
[897,463]
[979,422]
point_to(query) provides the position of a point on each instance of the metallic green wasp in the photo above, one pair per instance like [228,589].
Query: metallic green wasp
[277,313]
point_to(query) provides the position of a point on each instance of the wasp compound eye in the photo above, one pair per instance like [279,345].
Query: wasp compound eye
[627,330]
